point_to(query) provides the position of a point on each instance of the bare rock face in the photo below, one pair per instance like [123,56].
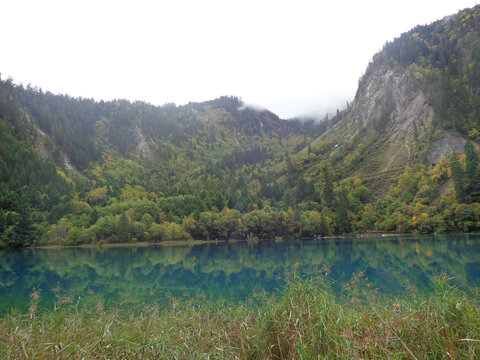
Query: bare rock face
[392,112]
[47,149]
[142,143]
[442,147]
[399,110]
[392,105]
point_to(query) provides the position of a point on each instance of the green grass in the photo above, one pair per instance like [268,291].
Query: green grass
[305,322]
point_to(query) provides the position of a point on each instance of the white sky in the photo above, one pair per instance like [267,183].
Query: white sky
[293,57]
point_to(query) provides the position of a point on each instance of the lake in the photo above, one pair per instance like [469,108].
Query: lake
[237,271]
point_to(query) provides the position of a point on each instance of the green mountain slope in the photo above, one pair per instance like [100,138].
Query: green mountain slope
[79,171]
[417,102]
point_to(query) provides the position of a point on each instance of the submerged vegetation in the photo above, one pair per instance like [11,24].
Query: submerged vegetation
[305,322]
[78,171]
[235,271]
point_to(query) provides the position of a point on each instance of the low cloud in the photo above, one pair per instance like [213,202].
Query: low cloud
[313,106]
[255,107]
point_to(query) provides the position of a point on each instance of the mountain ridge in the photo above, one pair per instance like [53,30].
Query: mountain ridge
[131,171]
[398,113]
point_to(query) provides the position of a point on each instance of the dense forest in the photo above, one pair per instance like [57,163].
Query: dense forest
[445,57]
[77,171]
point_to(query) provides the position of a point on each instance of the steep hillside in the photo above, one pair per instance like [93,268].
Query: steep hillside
[76,171]
[81,130]
[201,156]
[417,102]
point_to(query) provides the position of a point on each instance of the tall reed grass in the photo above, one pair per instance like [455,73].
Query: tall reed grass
[305,322]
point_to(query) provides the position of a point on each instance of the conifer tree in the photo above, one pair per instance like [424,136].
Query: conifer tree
[342,221]
[327,186]
[471,166]
[458,178]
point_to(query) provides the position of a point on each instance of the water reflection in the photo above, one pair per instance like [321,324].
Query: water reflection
[234,271]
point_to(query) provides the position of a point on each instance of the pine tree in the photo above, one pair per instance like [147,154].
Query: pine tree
[343,224]
[458,178]
[93,216]
[471,167]
[327,186]
[474,193]
[323,226]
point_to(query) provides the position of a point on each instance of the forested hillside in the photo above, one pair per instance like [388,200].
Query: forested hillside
[75,171]
[445,58]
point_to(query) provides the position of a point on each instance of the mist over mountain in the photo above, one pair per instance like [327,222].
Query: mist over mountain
[402,156]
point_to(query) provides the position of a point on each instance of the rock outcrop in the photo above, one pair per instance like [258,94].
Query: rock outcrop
[393,116]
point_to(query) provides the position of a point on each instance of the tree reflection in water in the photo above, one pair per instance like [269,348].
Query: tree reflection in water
[230,271]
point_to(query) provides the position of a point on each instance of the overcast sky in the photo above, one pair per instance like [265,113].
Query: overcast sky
[292,57]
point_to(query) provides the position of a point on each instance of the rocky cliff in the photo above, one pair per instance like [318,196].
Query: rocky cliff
[416,102]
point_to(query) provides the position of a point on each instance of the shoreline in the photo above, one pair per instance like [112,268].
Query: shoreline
[368,235]
[136,244]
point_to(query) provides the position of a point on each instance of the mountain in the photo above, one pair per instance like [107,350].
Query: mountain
[417,102]
[76,170]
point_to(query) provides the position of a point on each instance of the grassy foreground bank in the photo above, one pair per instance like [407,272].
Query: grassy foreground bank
[306,322]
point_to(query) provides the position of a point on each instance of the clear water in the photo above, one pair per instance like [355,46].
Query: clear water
[239,271]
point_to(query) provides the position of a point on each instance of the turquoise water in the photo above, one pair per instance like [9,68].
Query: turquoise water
[230,271]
